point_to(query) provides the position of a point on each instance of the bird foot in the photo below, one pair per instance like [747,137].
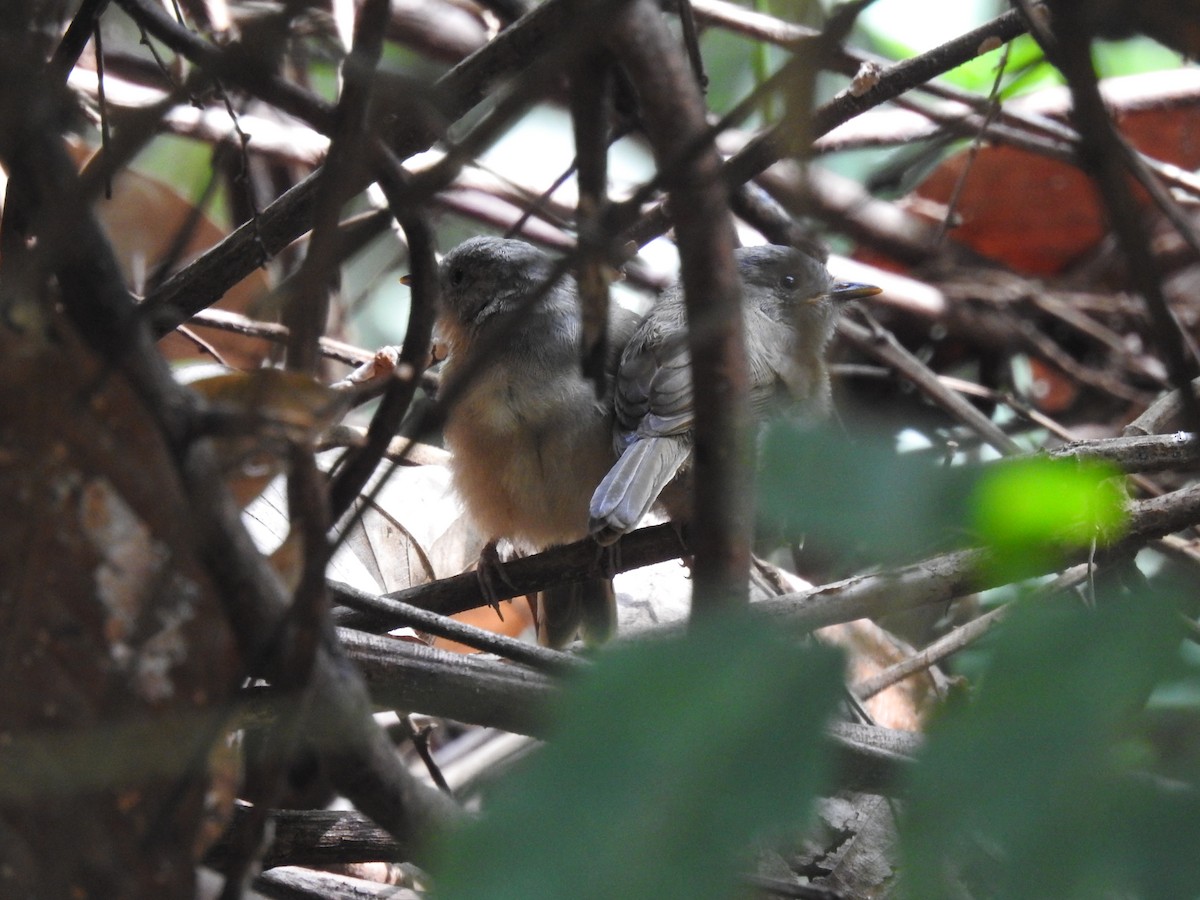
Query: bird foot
[489,572]
[608,559]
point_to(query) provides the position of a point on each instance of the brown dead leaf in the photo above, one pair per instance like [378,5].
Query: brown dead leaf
[518,620]
[870,649]
[1038,215]
[265,410]
[142,220]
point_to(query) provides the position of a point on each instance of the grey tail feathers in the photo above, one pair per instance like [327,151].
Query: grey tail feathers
[633,484]
[585,607]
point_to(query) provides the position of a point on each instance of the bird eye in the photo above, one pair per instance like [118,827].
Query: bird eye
[457,277]
[787,282]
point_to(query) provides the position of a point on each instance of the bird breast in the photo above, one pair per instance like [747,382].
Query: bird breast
[526,456]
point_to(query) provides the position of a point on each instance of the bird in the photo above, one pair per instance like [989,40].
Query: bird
[790,306]
[530,436]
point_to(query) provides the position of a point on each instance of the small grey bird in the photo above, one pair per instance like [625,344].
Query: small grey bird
[790,305]
[529,436]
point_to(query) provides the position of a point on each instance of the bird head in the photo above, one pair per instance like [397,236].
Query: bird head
[789,285]
[485,276]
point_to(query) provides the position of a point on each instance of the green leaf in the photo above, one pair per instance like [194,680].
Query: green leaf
[1032,509]
[1027,791]
[669,760]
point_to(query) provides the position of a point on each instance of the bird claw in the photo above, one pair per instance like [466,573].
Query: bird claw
[490,570]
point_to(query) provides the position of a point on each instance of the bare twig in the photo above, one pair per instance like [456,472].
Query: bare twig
[963,636]
[236,323]
[308,307]
[883,345]
[398,614]
[1168,413]
[414,353]
[79,32]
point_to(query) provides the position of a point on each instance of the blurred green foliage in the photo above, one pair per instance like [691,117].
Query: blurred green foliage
[1047,779]
[860,496]
[667,762]
[1044,784]
[1051,780]
[818,484]
[1026,510]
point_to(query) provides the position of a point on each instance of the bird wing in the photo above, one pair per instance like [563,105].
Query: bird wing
[654,389]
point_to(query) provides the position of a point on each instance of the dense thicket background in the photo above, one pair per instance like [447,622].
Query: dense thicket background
[217,602]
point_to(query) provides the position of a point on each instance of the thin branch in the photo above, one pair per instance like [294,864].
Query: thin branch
[882,344]
[75,40]
[398,614]
[1168,413]
[993,108]
[963,636]
[236,323]
[591,83]
[295,883]
[419,737]
[691,42]
[530,574]
[673,112]
[308,307]
[414,353]
[949,644]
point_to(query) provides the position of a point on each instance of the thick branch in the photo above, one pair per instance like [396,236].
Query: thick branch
[485,692]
